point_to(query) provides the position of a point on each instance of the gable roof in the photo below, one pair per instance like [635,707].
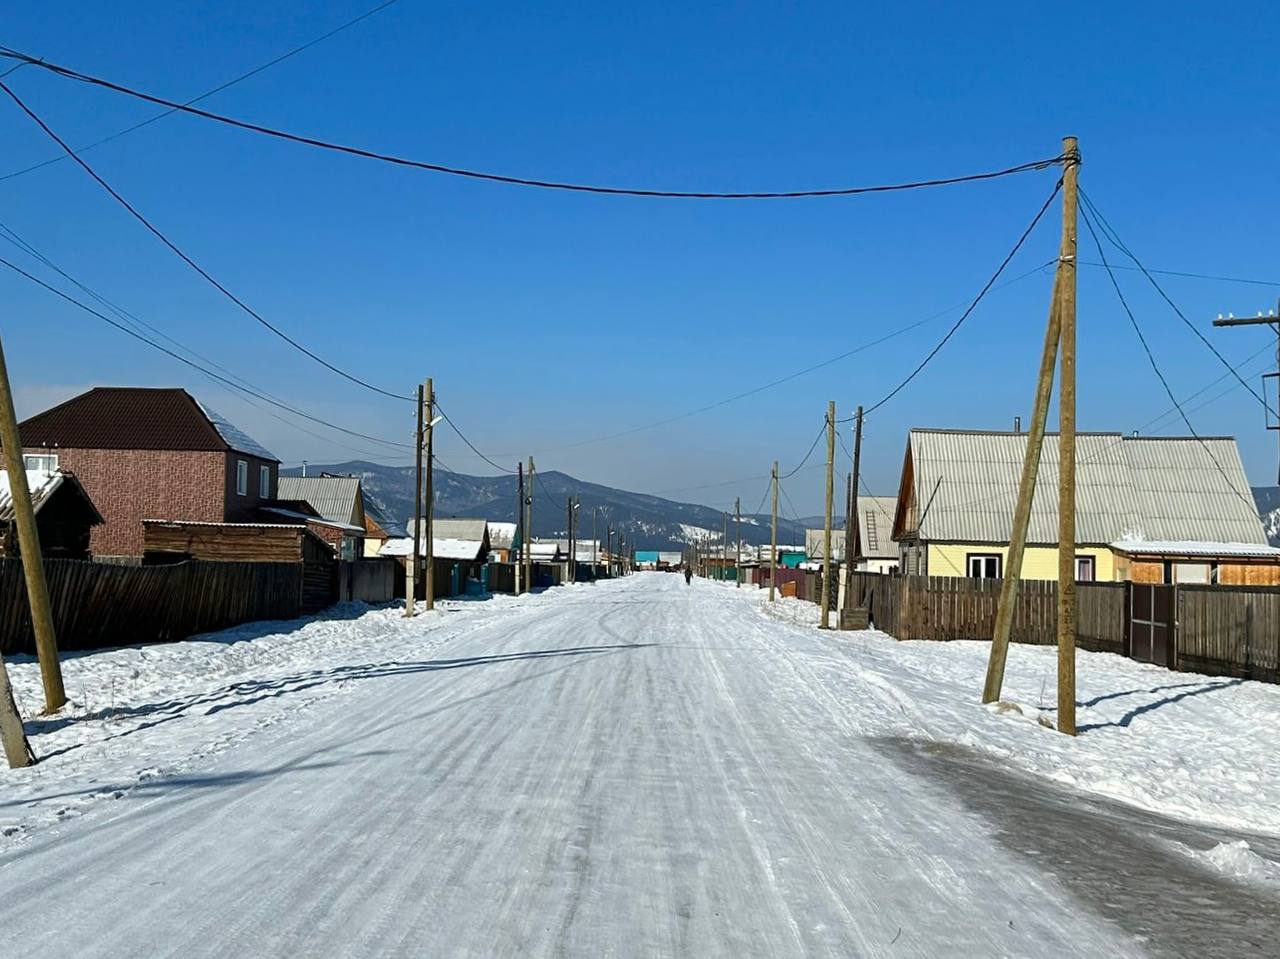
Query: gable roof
[502,535]
[875,526]
[965,488]
[43,486]
[335,498]
[465,529]
[136,418]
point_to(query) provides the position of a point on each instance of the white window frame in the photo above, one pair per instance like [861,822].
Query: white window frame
[40,462]
[1092,564]
[242,477]
[264,482]
[984,559]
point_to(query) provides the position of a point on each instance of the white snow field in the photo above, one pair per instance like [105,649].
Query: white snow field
[634,768]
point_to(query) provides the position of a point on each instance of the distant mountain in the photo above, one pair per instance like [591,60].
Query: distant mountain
[1268,500]
[648,522]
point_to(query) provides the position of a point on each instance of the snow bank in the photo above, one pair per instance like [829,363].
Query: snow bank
[1183,744]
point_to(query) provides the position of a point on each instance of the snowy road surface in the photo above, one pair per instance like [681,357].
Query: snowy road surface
[637,768]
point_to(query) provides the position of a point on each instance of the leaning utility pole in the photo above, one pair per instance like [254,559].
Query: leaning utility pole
[13,737]
[1260,320]
[737,559]
[412,569]
[29,549]
[1061,315]
[773,549]
[852,528]
[430,509]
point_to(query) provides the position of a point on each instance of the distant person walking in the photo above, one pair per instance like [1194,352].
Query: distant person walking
[688,575]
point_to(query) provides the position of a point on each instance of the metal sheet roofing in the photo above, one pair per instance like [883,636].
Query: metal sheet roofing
[335,498]
[135,418]
[1134,487]
[1191,548]
[42,485]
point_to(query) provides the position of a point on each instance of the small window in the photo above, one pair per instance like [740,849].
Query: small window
[242,478]
[984,565]
[1086,570]
[264,482]
[40,462]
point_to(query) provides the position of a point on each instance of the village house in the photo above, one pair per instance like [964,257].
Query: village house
[873,544]
[502,540]
[338,501]
[459,553]
[379,528]
[65,515]
[1150,509]
[150,454]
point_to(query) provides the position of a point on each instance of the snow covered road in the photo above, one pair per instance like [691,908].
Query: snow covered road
[636,768]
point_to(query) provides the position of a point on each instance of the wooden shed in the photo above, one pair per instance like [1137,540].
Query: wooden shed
[1195,563]
[170,541]
[64,515]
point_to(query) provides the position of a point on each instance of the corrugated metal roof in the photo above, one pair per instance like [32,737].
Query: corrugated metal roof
[42,485]
[1190,548]
[966,487]
[464,529]
[875,526]
[135,418]
[335,498]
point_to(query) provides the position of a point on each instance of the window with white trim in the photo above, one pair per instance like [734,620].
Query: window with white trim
[242,478]
[40,462]
[984,565]
[264,482]
[1086,569]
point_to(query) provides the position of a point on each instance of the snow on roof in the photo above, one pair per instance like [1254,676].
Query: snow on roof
[501,535]
[42,484]
[235,437]
[441,548]
[1196,548]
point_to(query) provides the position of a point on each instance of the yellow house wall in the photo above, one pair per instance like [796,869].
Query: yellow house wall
[1038,562]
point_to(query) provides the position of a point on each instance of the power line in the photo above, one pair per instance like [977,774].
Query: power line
[1156,366]
[203,96]
[462,436]
[972,306]
[196,366]
[1114,238]
[1193,276]
[816,440]
[520,180]
[188,260]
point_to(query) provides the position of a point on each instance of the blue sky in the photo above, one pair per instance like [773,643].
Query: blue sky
[549,318]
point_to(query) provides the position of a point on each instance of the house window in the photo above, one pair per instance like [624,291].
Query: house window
[242,478]
[264,482]
[40,462]
[984,565]
[1086,570]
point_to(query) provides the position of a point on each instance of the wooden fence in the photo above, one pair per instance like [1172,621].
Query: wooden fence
[97,604]
[1229,632]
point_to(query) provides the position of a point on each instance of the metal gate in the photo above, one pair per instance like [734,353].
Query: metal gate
[1152,623]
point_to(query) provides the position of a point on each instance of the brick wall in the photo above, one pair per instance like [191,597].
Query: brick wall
[129,486]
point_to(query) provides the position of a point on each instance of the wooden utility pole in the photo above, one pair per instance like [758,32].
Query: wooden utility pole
[29,548]
[14,738]
[826,528]
[1012,573]
[608,551]
[518,561]
[1067,449]
[528,540]
[429,565]
[415,564]
[852,535]
[737,558]
[595,545]
[724,544]
[573,555]
[773,537]
[1260,320]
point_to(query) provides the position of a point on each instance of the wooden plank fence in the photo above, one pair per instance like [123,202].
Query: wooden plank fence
[1229,632]
[99,604]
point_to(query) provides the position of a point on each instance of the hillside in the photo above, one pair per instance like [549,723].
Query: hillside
[649,522]
[1268,500]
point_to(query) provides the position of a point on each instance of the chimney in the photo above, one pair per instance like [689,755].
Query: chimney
[1017,424]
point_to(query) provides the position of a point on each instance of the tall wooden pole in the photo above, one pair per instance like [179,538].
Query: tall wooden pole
[826,528]
[17,751]
[518,560]
[852,536]
[773,537]
[595,544]
[737,558]
[429,495]
[29,548]
[1067,449]
[724,544]
[1012,573]
[528,540]
[415,563]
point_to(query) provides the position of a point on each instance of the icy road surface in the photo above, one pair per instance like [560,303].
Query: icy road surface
[636,768]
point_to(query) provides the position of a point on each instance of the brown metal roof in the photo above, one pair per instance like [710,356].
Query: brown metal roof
[126,418]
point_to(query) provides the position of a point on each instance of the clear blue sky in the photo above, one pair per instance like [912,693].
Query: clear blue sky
[548,318]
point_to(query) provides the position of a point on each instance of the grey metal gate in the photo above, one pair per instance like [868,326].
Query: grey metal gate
[1152,622]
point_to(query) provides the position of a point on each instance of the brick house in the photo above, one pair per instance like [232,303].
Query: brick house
[150,454]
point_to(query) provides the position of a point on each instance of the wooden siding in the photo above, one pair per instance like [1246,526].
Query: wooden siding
[1232,632]
[225,544]
[99,604]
